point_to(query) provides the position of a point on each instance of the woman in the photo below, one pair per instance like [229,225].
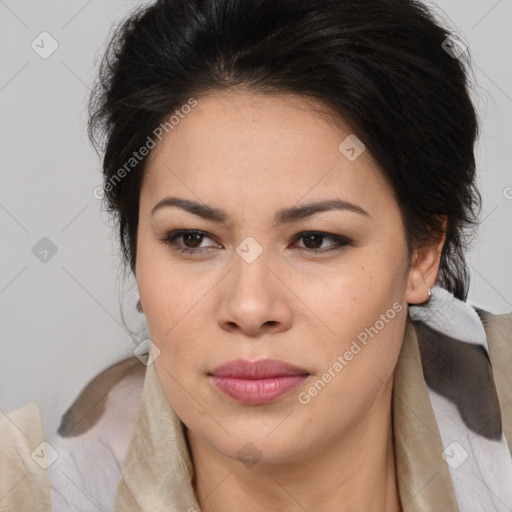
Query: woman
[294,185]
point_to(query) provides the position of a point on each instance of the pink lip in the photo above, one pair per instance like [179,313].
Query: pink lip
[257,382]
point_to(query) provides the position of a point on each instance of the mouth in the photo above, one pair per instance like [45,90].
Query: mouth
[257,382]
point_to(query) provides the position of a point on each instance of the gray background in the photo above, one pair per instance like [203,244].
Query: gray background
[62,319]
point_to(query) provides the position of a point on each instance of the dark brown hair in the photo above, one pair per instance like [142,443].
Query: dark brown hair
[382,65]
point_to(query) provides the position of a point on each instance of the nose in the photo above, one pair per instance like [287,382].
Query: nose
[254,299]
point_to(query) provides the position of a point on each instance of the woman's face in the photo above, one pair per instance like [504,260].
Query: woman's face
[253,288]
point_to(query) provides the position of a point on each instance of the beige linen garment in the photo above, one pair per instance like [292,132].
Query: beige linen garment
[158,471]
[24,484]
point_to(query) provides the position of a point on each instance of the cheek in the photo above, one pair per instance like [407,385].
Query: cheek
[344,300]
[357,367]
[360,315]
[170,292]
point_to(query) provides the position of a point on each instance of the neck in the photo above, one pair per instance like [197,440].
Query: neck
[357,473]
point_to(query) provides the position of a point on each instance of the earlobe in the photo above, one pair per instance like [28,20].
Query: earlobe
[424,271]
[419,287]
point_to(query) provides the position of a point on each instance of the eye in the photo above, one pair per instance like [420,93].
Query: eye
[192,237]
[192,240]
[316,238]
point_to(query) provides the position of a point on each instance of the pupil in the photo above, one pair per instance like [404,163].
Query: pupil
[197,239]
[309,238]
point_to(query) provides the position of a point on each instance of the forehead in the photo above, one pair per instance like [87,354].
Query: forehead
[252,146]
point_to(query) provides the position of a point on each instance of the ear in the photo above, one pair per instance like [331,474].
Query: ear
[424,269]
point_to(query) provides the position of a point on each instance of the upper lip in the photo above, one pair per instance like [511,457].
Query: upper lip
[261,369]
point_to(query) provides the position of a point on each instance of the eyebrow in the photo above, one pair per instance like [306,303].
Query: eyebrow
[284,216]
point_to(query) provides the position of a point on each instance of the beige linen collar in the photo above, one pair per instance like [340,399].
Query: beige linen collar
[424,481]
[158,470]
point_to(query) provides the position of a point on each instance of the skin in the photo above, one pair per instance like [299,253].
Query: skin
[252,155]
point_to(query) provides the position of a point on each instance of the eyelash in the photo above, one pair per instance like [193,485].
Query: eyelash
[170,240]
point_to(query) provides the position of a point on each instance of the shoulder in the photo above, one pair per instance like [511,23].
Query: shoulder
[500,325]
[498,329]
[95,432]
[23,457]
[28,416]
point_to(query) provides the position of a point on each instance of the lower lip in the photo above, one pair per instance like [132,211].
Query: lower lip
[258,391]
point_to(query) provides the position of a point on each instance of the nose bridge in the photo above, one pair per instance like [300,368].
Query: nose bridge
[252,266]
[253,299]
